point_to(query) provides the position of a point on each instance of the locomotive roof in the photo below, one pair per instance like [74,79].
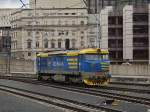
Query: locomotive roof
[94,51]
[75,52]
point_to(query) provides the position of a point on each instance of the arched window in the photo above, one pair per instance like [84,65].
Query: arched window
[45,34]
[82,43]
[59,22]
[82,22]
[46,43]
[73,43]
[37,44]
[29,43]
[59,43]
[53,44]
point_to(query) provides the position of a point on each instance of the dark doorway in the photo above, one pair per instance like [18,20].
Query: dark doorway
[67,43]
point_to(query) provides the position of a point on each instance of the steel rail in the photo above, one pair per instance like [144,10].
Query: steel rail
[107,109]
[112,95]
[130,83]
[97,92]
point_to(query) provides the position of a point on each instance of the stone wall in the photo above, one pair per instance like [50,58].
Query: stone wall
[16,67]
[21,66]
[3,65]
[131,70]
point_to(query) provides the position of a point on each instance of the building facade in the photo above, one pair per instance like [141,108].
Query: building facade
[93,31]
[51,29]
[5,40]
[126,33]
[95,6]
[57,4]
[5,31]
[5,17]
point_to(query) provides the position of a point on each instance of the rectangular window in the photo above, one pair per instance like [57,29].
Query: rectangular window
[29,53]
[29,44]
[59,44]
[82,22]
[73,13]
[37,32]
[46,44]
[66,13]
[37,44]
[53,45]
[29,33]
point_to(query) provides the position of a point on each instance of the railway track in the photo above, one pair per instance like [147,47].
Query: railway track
[57,101]
[99,91]
[129,89]
[130,83]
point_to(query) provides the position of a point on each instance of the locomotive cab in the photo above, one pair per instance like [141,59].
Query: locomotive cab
[94,66]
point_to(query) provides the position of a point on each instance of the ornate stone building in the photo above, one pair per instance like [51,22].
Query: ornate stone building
[5,28]
[51,29]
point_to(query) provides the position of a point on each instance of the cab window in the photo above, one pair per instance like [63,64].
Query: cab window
[92,57]
[105,57]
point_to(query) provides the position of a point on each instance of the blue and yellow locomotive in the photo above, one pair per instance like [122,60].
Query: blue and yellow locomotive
[89,66]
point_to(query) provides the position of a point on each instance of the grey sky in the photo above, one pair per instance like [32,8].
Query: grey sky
[11,3]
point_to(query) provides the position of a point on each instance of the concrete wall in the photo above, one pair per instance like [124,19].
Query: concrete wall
[16,67]
[131,70]
[21,66]
[3,65]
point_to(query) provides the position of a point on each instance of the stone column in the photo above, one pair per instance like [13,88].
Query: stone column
[128,32]
[104,27]
[63,43]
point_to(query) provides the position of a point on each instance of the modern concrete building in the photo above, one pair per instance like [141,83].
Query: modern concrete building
[95,6]
[126,33]
[51,29]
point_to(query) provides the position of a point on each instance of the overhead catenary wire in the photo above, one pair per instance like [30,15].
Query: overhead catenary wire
[23,4]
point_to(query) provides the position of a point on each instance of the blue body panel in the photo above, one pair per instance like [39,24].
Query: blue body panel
[91,65]
[57,63]
[61,63]
[42,65]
